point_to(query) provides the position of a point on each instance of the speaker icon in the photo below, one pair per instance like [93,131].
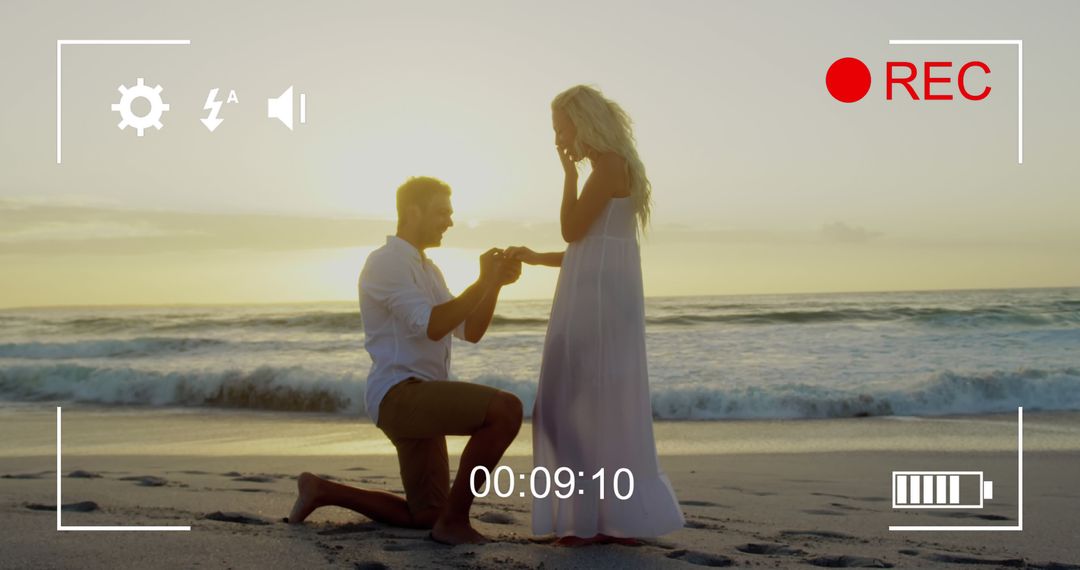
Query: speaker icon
[281,108]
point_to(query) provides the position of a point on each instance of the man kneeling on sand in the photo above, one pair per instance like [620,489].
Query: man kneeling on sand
[409,315]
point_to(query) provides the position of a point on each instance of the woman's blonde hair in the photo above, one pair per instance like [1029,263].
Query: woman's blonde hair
[605,127]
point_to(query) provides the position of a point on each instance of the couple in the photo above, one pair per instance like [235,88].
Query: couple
[592,405]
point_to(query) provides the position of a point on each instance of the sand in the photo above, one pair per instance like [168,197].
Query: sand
[756,493]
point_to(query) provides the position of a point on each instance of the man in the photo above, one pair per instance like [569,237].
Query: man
[409,315]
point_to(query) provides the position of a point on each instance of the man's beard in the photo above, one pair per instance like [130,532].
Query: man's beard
[435,238]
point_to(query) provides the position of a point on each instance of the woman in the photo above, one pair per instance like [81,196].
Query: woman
[592,408]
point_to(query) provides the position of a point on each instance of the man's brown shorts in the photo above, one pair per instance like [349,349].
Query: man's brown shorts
[417,415]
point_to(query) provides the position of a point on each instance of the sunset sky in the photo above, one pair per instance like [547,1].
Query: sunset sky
[762,182]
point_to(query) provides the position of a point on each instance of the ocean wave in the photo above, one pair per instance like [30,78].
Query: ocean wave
[322,321]
[138,347]
[328,321]
[264,388]
[298,389]
[931,316]
[941,393]
[148,347]
[501,321]
[342,322]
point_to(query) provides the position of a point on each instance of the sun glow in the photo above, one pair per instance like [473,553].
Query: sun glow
[459,266]
[427,142]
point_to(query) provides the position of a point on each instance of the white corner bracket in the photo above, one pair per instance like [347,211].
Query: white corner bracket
[1019,77]
[59,505]
[59,55]
[987,492]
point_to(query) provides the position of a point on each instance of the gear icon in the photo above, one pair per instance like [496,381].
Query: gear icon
[152,118]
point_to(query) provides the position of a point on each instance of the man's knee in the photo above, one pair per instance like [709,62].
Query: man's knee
[506,411]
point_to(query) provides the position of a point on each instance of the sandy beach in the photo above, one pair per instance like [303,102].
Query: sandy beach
[755,493]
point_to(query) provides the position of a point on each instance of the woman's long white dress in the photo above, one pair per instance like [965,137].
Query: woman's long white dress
[592,405]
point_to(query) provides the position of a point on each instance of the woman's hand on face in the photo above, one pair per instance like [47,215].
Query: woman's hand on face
[568,165]
[522,254]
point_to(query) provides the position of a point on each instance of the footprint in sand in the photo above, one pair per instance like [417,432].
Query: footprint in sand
[845,561]
[239,518]
[147,480]
[698,525]
[256,478]
[698,504]
[769,548]
[972,516]
[826,512]
[37,475]
[846,507]
[424,544]
[80,507]
[745,492]
[816,534]
[350,528]
[866,499]
[701,558]
[80,474]
[965,559]
[496,518]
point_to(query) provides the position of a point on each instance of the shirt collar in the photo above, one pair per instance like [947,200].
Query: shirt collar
[405,247]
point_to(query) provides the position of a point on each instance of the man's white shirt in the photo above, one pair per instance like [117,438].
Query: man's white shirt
[398,288]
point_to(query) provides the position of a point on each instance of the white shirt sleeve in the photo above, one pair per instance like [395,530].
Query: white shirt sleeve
[389,282]
[446,296]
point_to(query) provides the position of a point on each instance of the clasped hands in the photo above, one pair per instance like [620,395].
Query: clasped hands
[503,266]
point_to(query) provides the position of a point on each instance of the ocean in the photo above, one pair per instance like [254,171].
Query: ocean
[710,358]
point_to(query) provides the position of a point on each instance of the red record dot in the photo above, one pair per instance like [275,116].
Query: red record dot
[848,80]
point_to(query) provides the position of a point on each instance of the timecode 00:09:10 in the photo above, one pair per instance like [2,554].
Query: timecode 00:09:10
[502,481]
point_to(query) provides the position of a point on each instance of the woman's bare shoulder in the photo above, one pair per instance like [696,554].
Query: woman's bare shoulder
[611,166]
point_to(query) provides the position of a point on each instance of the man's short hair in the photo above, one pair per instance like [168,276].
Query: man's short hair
[418,191]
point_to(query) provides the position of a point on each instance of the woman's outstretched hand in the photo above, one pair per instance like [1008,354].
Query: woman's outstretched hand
[523,254]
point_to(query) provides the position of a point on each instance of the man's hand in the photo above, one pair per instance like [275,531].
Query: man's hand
[496,270]
[490,263]
[509,271]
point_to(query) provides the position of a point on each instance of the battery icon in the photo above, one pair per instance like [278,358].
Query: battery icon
[940,489]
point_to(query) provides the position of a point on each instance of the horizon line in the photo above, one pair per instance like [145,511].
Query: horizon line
[531,299]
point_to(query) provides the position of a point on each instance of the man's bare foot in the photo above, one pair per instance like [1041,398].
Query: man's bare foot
[456,533]
[307,499]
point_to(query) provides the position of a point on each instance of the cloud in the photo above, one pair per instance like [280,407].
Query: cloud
[36,229]
[40,230]
[85,230]
[839,232]
[48,230]
[79,230]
